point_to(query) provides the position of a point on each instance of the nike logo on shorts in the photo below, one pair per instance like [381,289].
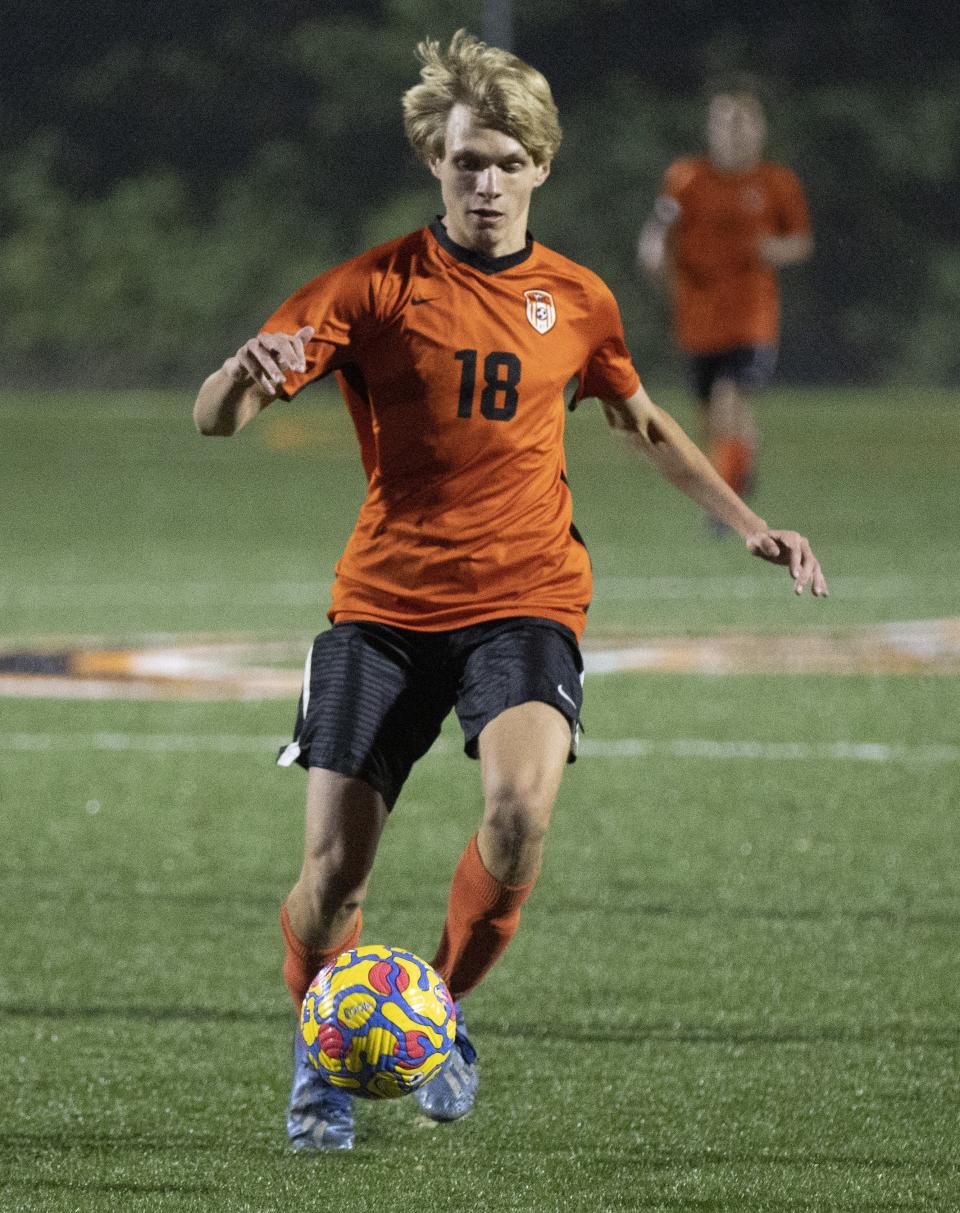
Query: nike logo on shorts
[566,696]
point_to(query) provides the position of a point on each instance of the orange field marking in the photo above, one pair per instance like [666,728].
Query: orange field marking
[928,646]
[246,669]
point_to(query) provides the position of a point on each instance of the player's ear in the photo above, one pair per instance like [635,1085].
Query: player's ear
[434,165]
[542,173]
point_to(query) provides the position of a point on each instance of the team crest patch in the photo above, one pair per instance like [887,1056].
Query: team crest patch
[541,310]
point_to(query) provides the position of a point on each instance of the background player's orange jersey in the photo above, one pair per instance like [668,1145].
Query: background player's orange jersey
[724,294]
[453,366]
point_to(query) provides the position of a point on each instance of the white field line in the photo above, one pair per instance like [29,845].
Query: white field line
[179,594]
[123,411]
[869,752]
[668,589]
[315,593]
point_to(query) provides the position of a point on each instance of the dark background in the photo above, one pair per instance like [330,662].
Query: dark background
[170,172]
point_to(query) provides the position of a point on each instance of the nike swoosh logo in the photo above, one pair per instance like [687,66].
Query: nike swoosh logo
[572,702]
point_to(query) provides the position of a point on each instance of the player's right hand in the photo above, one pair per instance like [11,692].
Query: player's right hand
[265,359]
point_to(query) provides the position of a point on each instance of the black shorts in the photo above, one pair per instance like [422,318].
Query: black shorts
[751,367]
[374,697]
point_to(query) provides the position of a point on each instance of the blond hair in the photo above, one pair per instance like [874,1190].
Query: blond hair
[505,93]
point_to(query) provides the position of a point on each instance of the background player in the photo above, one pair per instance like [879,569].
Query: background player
[465,583]
[722,227]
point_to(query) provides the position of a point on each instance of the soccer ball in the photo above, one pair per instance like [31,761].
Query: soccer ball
[378,1022]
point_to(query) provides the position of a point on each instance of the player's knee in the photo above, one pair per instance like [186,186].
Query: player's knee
[517,812]
[330,902]
[335,876]
[724,402]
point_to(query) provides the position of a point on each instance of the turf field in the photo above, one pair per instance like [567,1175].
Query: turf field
[736,985]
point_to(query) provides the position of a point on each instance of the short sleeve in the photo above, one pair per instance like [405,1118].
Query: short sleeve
[794,213]
[677,180]
[341,306]
[608,373]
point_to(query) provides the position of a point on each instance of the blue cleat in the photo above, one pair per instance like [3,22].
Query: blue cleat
[451,1093]
[319,1117]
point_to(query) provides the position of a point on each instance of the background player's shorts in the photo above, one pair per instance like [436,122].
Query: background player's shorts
[374,696]
[751,367]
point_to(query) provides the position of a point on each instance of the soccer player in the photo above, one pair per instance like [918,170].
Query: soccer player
[722,227]
[465,582]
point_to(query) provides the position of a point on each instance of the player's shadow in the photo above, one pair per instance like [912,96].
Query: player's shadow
[668,1032]
[622,903]
[121,1187]
[664,1031]
[147,1012]
[625,907]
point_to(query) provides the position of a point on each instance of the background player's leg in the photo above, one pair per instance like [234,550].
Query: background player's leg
[732,433]
[523,752]
[321,915]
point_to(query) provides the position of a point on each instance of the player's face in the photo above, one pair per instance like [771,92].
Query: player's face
[736,131]
[486,179]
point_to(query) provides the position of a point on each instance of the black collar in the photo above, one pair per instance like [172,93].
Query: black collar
[480,261]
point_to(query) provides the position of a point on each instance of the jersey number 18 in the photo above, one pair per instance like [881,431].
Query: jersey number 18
[501,374]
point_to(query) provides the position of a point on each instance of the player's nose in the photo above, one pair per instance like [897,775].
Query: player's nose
[488,183]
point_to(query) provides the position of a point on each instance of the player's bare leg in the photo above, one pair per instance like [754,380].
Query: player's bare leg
[322,917]
[344,820]
[523,753]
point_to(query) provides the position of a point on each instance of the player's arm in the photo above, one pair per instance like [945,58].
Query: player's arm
[653,244]
[248,381]
[793,242]
[657,436]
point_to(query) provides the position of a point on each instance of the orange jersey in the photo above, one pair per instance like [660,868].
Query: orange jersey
[724,294]
[453,366]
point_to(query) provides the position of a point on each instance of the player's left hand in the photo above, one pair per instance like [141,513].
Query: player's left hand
[793,550]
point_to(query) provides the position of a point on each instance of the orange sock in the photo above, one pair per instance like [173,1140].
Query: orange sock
[301,964]
[733,459]
[482,918]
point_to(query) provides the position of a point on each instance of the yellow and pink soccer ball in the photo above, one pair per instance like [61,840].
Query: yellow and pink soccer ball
[378,1022]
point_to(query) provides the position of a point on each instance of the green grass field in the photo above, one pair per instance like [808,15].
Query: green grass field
[736,985]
